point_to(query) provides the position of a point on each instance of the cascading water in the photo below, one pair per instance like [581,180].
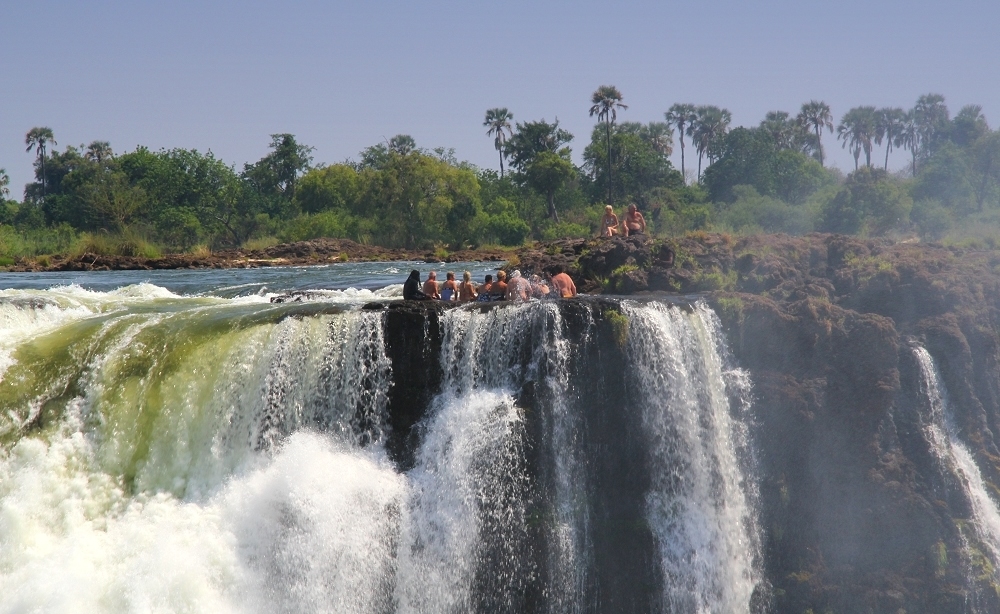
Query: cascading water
[699,502]
[170,453]
[957,461]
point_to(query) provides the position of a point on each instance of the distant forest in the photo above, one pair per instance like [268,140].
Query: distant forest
[766,178]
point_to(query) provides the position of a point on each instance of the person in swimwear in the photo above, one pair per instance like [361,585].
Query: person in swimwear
[609,223]
[449,291]
[563,283]
[467,289]
[431,286]
[634,224]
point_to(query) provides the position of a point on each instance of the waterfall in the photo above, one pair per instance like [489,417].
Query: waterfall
[957,461]
[698,504]
[170,453]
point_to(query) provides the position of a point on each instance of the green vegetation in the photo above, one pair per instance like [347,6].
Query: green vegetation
[765,178]
[619,325]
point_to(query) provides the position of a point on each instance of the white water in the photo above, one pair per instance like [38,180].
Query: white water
[698,505]
[956,459]
[185,472]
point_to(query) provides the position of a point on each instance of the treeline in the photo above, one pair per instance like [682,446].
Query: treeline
[769,177]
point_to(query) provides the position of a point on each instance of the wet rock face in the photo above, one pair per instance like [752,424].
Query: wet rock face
[854,506]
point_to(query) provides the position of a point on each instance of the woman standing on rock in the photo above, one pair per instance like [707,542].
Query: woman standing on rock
[609,223]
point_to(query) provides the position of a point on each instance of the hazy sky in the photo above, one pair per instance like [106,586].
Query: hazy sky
[342,76]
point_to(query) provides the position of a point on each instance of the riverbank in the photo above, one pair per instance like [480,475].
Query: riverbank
[316,251]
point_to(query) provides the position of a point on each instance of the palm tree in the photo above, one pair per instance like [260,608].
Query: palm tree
[932,117]
[98,151]
[606,102]
[780,127]
[38,138]
[711,125]
[909,136]
[4,182]
[889,124]
[681,116]
[498,121]
[815,114]
[857,129]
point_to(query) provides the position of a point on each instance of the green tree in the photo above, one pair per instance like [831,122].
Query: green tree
[869,202]
[750,157]
[548,172]
[532,138]
[969,125]
[277,173]
[932,119]
[111,196]
[98,151]
[889,125]
[329,187]
[858,128]
[986,164]
[38,139]
[498,126]
[707,130]
[816,115]
[681,116]
[402,144]
[605,102]
[909,138]
[641,163]
[4,184]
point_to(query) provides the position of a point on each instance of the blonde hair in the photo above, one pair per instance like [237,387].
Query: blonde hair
[467,276]
[609,208]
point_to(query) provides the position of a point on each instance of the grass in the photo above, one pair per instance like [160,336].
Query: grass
[619,326]
[127,243]
[260,244]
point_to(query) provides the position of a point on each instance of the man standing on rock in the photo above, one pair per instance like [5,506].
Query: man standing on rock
[563,283]
[634,224]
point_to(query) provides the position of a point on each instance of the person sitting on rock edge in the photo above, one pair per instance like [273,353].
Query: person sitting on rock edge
[411,288]
[449,292]
[609,223]
[563,283]
[485,290]
[467,289]
[499,288]
[518,288]
[634,224]
[431,286]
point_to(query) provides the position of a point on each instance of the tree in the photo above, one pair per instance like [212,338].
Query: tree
[889,124]
[39,138]
[498,123]
[931,116]
[681,116]
[909,137]
[4,184]
[641,164]
[986,165]
[98,151]
[533,138]
[111,196]
[548,172]
[969,125]
[869,201]
[402,144]
[710,126]
[858,128]
[781,129]
[816,115]
[606,102]
[277,173]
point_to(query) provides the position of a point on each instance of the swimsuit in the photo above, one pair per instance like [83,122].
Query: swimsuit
[446,294]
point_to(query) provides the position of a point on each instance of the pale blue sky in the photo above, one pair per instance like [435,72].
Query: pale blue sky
[221,75]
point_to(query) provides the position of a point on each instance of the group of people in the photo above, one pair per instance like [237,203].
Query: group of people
[513,288]
[632,224]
